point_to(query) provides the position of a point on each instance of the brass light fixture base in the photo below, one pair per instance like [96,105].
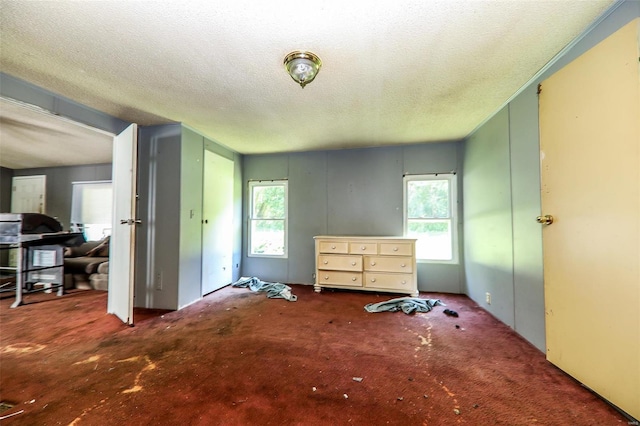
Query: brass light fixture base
[302,66]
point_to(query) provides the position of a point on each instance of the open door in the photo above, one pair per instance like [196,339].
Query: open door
[123,234]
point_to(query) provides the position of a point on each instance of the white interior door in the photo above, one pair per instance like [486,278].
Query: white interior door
[28,194]
[123,234]
[217,222]
[590,150]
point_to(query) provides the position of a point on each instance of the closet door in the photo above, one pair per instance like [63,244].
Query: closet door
[217,222]
[590,159]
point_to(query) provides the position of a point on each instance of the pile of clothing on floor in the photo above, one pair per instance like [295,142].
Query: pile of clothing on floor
[273,290]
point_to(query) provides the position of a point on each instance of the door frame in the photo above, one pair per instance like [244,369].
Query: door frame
[76,122]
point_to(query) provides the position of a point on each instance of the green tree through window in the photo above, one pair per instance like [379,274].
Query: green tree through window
[430,215]
[268,221]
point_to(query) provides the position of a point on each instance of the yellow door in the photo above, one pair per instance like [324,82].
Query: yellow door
[590,168]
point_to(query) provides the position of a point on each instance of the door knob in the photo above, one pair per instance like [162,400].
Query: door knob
[130,221]
[545,220]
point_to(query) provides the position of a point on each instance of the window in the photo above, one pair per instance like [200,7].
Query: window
[268,218]
[430,211]
[91,209]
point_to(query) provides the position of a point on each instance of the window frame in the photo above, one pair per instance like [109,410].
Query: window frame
[262,183]
[453,212]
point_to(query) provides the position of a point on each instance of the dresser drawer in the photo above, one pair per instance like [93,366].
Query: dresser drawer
[396,249]
[342,263]
[400,282]
[388,264]
[363,248]
[340,278]
[341,247]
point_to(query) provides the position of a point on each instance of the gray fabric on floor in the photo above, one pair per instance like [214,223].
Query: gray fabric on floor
[273,290]
[408,305]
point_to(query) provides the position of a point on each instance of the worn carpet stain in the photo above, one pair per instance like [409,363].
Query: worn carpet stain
[22,348]
[89,360]
[148,367]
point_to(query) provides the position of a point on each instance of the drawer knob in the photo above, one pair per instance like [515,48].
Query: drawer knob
[326,277]
[404,282]
[395,249]
[363,248]
[373,280]
[325,262]
[403,265]
[353,279]
[373,263]
[333,247]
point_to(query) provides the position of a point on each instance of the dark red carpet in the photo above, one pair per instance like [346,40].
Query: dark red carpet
[238,358]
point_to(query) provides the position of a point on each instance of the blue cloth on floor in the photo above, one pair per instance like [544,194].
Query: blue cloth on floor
[273,290]
[408,305]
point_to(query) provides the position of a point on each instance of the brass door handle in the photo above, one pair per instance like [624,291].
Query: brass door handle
[545,220]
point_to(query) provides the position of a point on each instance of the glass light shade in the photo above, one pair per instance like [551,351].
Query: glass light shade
[302,66]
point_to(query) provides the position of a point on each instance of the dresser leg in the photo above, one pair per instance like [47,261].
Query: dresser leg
[416,294]
[317,288]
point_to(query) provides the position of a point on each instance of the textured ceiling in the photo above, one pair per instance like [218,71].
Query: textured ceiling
[31,137]
[394,72]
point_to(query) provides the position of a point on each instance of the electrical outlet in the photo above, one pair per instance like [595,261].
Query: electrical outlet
[158,280]
[488,297]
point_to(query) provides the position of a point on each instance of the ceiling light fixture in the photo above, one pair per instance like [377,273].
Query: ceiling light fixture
[302,66]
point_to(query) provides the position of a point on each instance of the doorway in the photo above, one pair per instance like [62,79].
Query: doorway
[54,141]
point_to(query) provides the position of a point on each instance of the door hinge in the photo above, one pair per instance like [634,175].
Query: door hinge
[539,88]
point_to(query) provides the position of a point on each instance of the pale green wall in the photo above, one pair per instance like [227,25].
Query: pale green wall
[158,236]
[191,178]
[528,294]
[487,217]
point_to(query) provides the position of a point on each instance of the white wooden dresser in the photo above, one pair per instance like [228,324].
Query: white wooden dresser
[382,264]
